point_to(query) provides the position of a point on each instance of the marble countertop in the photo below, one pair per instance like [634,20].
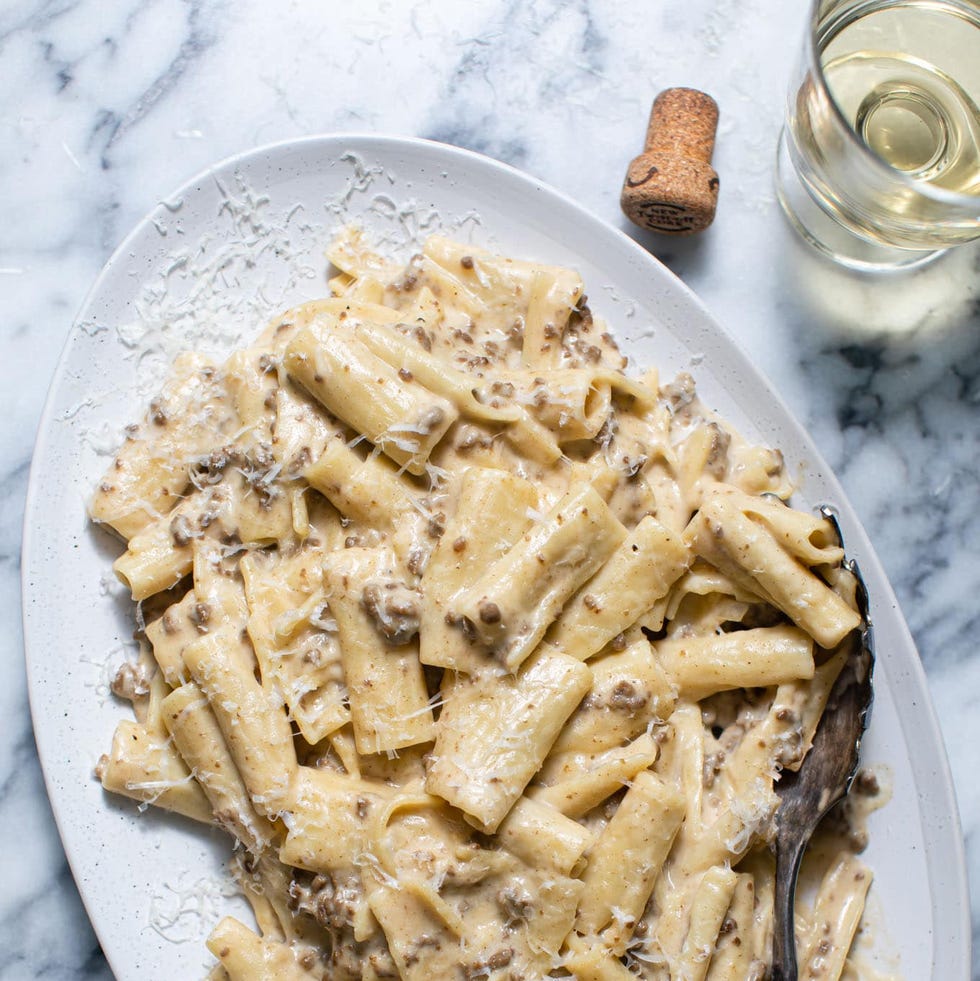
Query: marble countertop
[107,105]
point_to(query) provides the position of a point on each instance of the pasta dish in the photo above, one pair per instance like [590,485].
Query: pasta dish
[486,654]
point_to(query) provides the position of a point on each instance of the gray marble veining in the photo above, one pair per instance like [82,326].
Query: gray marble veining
[106,105]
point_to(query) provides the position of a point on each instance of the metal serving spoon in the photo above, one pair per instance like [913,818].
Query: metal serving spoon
[824,777]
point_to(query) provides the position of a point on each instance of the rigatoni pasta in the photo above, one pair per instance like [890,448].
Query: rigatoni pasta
[486,655]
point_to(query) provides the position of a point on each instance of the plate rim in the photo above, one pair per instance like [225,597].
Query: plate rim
[957,889]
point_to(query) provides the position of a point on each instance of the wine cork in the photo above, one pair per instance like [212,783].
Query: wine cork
[671,187]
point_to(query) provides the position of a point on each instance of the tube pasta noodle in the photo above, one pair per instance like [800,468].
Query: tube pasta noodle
[638,574]
[492,513]
[154,465]
[735,953]
[726,535]
[402,419]
[486,655]
[711,900]
[251,717]
[143,765]
[385,684]
[518,597]
[197,737]
[753,658]
[494,734]
[246,956]
[543,838]
[626,860]
[364,490]
[836,916]
[286,606]
[582,782]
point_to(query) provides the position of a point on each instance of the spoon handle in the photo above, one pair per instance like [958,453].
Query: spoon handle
[789,852]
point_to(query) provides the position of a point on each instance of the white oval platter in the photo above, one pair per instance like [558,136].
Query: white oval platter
[208,266]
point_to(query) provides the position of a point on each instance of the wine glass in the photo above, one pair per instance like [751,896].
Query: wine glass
[879,159]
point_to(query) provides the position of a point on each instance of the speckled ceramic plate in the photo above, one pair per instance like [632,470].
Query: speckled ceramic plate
[209,264]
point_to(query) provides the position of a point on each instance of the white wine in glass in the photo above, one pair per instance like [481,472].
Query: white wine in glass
[880,158]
